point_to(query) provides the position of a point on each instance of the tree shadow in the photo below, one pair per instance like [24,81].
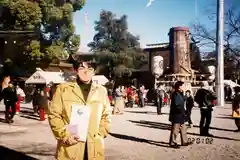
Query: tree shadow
[215,128]
[150,124]
[27,108]
[2,120]
[12,133]
[228,102]
[141,140]
[9,154]
[163,126]
[26,112]
[224,117]
[36,149]
[225,108]
[30,117]
[228,115]
[145,112]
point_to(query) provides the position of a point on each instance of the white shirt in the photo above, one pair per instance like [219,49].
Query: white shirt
[20,92]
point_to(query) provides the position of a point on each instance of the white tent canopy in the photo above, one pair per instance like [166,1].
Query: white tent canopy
[99,79]
[231,83]
[42,77]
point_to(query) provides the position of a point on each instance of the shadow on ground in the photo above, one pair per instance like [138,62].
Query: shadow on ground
[2,120]
[145,112]
[29,115]
[225,117]
[9,154]
[26,108]
[164,126]
[141,140]
[36,149]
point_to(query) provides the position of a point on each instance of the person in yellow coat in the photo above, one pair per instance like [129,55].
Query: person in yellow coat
[236,108]
[82,92]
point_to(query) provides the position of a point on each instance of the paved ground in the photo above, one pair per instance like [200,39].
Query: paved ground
[139,134]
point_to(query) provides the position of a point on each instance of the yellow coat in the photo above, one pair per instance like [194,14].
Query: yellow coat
[59,115]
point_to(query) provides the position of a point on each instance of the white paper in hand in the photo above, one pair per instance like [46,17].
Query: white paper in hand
[79,121]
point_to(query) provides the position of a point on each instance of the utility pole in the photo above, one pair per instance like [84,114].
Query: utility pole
[220,54]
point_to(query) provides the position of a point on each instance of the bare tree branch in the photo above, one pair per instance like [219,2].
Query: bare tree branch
[207,36]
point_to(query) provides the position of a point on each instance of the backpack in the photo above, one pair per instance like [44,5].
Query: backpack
[204,98]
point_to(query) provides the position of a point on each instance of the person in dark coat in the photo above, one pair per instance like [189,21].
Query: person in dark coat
[36,101]
[205,97]
[43,98]
[9,95]
[189,106]
[159,100]
[140,95]
[178,116]
[52,91]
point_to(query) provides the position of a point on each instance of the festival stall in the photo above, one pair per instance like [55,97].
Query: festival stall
[42,77]
[100,79]
[231,84]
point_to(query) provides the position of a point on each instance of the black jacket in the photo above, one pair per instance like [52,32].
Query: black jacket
[189,102]
[177,110]
[9,95]
[205,98]
[52,92]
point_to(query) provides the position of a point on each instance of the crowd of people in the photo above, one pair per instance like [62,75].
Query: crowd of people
[92,104]
[127,97]
[181,104]
[14,95]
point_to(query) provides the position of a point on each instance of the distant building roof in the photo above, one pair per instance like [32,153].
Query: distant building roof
[61,64]
[12,32]
[86,57]
[84,53]
[208,59]
[157,45]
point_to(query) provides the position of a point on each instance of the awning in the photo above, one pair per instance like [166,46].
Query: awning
[231,83]
[42,77]
[100,79]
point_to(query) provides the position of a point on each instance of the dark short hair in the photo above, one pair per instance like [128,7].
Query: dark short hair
[237,89]
[178,84]
[188,91]
[76,64]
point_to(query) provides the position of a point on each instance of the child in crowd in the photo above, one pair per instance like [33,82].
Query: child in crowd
[189,106]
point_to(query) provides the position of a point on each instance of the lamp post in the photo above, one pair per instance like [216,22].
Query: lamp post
[220,54]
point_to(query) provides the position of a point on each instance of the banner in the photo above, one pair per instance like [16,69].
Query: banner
[157,66]
[212,70]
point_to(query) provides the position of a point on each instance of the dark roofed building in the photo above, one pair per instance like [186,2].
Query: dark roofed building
[163,49]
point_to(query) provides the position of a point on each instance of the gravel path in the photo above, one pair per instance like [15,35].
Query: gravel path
[139,134]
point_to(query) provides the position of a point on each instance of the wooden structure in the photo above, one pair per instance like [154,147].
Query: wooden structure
[180,61]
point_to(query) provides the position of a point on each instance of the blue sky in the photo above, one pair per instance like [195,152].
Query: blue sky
[151,24]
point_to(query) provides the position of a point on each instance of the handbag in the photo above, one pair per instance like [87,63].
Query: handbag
[235,114]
